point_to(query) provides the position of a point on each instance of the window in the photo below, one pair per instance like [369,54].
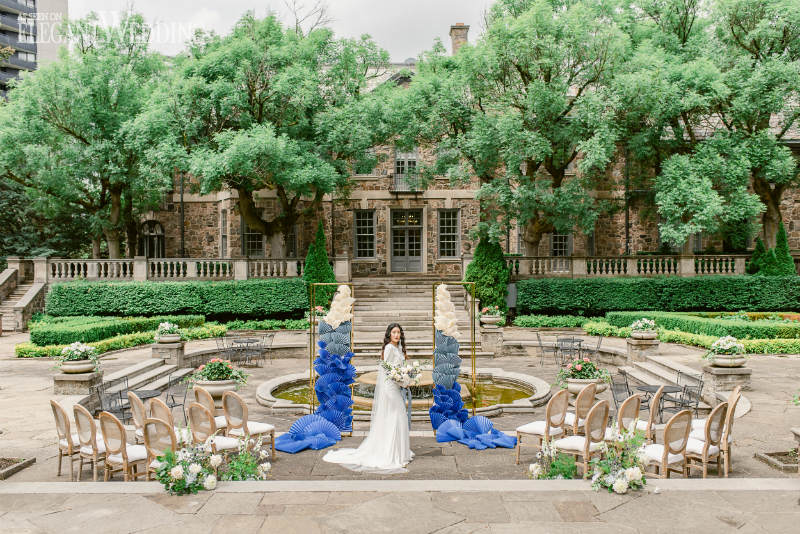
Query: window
[253,242]
[590,244]
[291,243]
[559,244]
[365,233]
[223,240]
[26,56]
[26,38]
[697,242]
[151,239]
[405,162]
[448,233]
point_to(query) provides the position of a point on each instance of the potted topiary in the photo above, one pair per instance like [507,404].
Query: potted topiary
[168,333]
[491,315]
[726,352]
[217,377]
[644,329]
[77,358]
[580,372]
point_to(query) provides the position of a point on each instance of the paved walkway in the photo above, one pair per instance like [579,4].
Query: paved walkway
[712,506]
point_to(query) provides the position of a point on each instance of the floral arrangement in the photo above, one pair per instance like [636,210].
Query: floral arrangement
[218,369]
[249,464]
[341,307]
[167,329]
[726,345]
[77,352]
[491,310]
[404,375]
[551,464]
[643,325]
[620,466]
[445,319]
[188,470]
[582,369]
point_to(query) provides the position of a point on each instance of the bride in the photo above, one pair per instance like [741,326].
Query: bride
[387,447]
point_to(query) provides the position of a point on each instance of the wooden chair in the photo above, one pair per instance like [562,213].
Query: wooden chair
[650,426]
[553,423]
[160,410]
[121,455]
[673,451]
[92,446]
[66,439]
[202,396]
[204,429]
[590,444]
[709,448]
[139,414]
[236,416]
[699,424]
[159,437]
[583,403]
[727,434]
[627,418]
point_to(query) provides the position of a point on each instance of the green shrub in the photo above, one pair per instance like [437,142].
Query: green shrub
[599,327]
[259,299]
[29,350]
[90,329]
[711,326]
[785,262]
[754,265]
[318,269]
[596,296]
[269,324]
[550,321]
[489,272]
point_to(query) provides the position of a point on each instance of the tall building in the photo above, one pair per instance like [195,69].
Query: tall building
[29,28]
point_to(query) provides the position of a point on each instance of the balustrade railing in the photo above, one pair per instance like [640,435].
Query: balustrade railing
[189,269]
[59,270]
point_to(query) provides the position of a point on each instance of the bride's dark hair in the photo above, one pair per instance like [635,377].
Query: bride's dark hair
[387,338]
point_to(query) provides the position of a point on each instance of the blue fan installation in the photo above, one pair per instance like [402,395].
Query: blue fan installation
[334,414]
[448,416]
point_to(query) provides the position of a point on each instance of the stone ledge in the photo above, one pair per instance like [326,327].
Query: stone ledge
[76,383]
[727,370]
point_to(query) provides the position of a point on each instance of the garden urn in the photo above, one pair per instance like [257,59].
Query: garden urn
[77,366]
[491,319]
[575,385]
[169,338]
[216,388]
[644,334]
[728,360]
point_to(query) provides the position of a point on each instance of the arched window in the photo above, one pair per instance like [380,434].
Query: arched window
[151,240]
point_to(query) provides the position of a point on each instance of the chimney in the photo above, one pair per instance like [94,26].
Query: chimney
[458,35]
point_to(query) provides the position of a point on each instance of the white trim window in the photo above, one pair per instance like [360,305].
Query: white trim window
[252,242]
[364,226]
[449,232]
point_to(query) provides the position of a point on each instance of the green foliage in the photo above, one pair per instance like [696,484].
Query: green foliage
[552,465]
[599,327]
[186,472]
[596,296]
[125,341]
[245,464]
[319,270]
[274,298]
[711,326]
[550,321]
[581,369]
[760,250]
[218,369]
[619,466]
[784,260]
[269,324]
[87,329]
[489,272]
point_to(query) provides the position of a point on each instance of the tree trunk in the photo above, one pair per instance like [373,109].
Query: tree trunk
[771,218]
[250,214]
[534,230]
[113,233]
[113,241]
[96,247]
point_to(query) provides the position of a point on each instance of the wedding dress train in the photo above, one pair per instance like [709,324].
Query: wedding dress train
[387,447]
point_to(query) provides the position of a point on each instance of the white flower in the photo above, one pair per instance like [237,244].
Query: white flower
[535,470]
[215,460]
[176,472]
[263,454]
[620,485]
[633,474]
[195,468]
[156,464]
[210,482]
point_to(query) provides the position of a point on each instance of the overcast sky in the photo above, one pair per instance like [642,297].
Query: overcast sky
[403,27]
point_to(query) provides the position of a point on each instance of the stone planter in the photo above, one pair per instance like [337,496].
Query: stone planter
[216,388]
[644,334]
[728,360]
[77,366]
[575,385]
[491,319]
[169,338]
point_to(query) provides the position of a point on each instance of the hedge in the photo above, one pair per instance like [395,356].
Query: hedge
[125,341]
[596,296]
[550,321]
[260,299]
[269,324]
[90,329]
[711,326]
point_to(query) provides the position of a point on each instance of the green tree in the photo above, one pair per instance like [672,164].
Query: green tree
[489,272]
[756,260]
[784,259]
[62,132]
[318,268]
[267,108]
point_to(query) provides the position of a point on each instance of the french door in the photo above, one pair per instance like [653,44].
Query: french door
[407,241]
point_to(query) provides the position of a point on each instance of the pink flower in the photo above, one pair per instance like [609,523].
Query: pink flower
[578,367]
[586,359]
[569,366]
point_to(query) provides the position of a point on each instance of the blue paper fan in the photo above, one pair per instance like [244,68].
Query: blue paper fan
[314,424]
[344,328]
[341,338]
[436,418]
[478,425]
[449,430]
[339,419]
[324,328]
[448,359]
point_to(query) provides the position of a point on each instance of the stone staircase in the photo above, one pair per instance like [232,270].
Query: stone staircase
[662,370]
[7,317]
[406,300]
[152,373]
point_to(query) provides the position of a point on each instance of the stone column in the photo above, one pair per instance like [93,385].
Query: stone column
[171,353]
[40,270]
[240,269]
[76,384]
[140,268]
[466,259]
[640,349]
[723,380]
[579,267]
[15,262]
[341,268]
[686,265]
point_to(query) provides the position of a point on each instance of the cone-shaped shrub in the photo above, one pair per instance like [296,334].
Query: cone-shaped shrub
[489,272]
[318,269]
[754,265]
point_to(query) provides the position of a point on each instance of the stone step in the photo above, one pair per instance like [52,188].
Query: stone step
[673,366]
[162,382]
[132,371]
[637,375]
[139,381]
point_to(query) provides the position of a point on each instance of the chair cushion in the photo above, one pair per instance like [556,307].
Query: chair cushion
[569,420]
[641,425]
[575,443]
[220,421]
[253,428]
[537,428]
[75,441]
[695,446]
[654,452]
[700,435]
[139,433]
[135,453]
[101,447]
[225,443]
[698,424]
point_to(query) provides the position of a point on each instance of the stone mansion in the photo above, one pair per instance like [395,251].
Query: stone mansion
[385,227]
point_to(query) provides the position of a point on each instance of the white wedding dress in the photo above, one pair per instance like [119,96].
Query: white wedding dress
[387,447]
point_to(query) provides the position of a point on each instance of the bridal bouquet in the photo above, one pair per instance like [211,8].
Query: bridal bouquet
[404,375]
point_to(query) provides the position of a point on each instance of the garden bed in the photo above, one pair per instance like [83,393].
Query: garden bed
[9,466]
[784,460]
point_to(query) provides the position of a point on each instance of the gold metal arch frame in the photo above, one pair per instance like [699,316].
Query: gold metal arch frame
[312,334]
[470,286]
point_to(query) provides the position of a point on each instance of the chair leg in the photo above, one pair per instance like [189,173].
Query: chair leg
[60,455]
[272,438]
[105,473]
[519,442]
[71,468]
[80,468]
[94,470]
